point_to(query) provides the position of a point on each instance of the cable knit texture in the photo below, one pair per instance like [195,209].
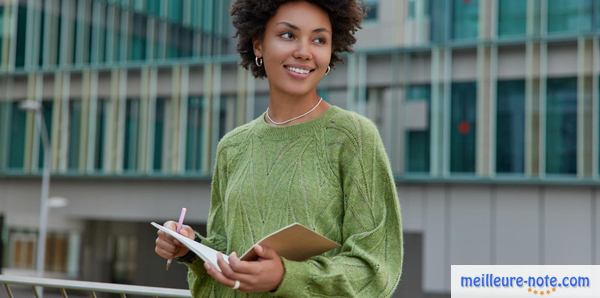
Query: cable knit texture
[330,174]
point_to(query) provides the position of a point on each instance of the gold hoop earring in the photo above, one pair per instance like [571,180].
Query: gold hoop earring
[258,61]
[328,70]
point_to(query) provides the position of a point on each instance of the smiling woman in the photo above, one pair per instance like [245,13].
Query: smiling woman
[303,160]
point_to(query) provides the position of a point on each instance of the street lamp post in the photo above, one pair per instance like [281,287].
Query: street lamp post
[35,106]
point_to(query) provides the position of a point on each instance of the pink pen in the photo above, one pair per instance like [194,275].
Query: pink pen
[179,223]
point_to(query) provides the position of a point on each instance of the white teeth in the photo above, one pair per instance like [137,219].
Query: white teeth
[298,70]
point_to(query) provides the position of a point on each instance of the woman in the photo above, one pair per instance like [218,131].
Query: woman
[302,161]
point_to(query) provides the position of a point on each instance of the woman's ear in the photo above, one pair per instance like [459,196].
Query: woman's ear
[257,47]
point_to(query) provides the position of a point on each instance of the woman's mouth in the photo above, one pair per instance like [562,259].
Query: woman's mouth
[298,71]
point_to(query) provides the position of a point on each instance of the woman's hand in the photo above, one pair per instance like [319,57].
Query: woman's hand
[168,247]
[263,275]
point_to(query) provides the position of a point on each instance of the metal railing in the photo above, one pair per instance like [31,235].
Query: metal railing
[92,289]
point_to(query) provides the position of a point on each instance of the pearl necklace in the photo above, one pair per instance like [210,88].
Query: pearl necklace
[295,118]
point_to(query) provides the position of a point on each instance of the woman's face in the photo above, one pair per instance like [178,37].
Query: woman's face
[296,48]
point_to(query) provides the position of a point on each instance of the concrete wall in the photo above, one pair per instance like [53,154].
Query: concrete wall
[501,224]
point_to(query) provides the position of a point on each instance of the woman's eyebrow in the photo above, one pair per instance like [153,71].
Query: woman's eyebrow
[297,28]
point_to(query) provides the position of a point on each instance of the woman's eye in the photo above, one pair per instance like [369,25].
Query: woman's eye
[320,40]
[286,35]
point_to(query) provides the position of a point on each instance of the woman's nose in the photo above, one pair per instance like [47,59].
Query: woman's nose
[302,50]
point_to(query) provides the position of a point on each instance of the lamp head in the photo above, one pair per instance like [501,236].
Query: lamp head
[30,105]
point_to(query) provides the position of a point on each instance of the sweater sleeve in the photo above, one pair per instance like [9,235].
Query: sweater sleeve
[369,263]
[215,238]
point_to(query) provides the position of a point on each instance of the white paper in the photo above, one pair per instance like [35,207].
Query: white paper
[206,253]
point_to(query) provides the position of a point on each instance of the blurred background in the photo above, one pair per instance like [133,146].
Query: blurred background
[489,111]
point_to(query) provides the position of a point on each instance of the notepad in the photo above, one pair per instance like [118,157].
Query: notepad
[294,242]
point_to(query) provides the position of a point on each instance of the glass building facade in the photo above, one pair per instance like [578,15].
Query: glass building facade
[147,87]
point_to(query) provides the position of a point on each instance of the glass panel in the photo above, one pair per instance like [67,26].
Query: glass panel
[261,102]
[41,40]
[561,126]
[463,115]
[1,19]
[1,44]
[512,17]
[569,16]
[439,28]
[47,115]
[418,140]
[510,127]
[4,141]
[195,134]
[101,114]
[371,7]
[176,11]
[137,50]
[173,40]
[16,150]
[132,120]
[74,133]
[465,18]
[21,35]
[74,39]
[222,117]
[88,46]
[58,37]
[153,7]
[159,127]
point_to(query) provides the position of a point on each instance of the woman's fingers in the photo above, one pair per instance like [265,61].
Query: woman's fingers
[242,267]
[219,276]
[230,273]
[168,247]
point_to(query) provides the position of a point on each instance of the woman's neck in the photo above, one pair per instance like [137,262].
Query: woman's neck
[284,108]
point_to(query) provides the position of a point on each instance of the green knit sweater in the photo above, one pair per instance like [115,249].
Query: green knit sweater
[330,174]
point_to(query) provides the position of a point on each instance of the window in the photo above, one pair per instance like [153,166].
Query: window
[159,132]
[227,114]
[1,32]
[561,126]
[371,7]
[512,17]
[175,11]
[569,16]
[47,117]
[43,16]
[439,17]
[57,249]
[417,9]
[465,19]
[1,20]
[102,109]
[417,135]
[16,140]
[510,127]
[132,122]
[21,36]
[59,21]
[124,250]
[4,141]
[261,102]
[463,115]
[22,250]
[74,134]
[153,7]
[137,50]
[195,134]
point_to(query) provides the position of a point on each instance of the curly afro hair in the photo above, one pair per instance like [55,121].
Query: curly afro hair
[250,18]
